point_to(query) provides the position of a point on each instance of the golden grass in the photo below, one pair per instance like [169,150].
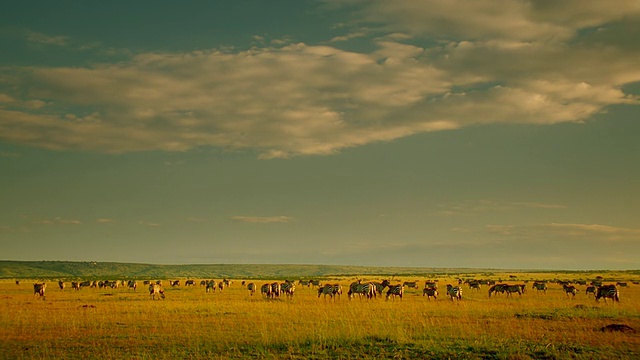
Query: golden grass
[189,323]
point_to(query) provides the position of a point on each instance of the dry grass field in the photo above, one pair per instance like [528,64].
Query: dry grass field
[193,324]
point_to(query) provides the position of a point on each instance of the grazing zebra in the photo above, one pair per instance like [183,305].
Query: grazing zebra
[326,290]
[210,286]
[497,288]
[569,289]
[316,283]
[590,289]
[38,290]
[132,284]
[266,290]
[410,284]
[288,288]
[226,282]
[539,286]
[252,288]
[174,282]
[474,285]
[510,289]
[275,290]
[243,283]
[337,290]
[368,289]
[395,290]
[429,292]
[221,285]
[608,291]
[454,292]
[156,289]
[75,285]
[622,284]
[190,283]
[84,284]
[61,285]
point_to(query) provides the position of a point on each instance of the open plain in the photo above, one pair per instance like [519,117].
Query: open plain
[94,323]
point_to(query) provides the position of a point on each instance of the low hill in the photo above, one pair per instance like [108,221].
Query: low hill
[73,269]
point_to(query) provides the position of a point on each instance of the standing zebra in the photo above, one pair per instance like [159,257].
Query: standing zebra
[38,290]
[210,286]
[395,290]
[275,290]
[430,292]
[288,288]
[368,289]
[608,291]
[539,286]
[156,289]
[252,288]
[326,290]
[410,284]
[569,289]
[590,289]
[380,286]
[266,290]
[454,292]
[61,285]
[496,288]
[509,289]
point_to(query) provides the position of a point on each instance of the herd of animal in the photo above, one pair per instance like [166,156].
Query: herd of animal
[358,288]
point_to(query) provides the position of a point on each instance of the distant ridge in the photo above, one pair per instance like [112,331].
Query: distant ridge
[92,269]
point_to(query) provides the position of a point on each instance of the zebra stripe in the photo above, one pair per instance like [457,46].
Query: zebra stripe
[411,284]
[540,286]
[288,288]
[368,289]
[590,289]
[210,286]
[608,291]
[326,290]
[395,290]
[455,292]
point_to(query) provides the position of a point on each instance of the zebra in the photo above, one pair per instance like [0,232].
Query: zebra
[288,288]
[326,290]
[608,291]
[497,287]
[221,285]
[190,283]
[61,285]
[18,282]
[132,284]
[275,290]
[226,282]
[75,285]
[474,285]
[337,290]
[410,284]
[622,284]
[395,290]
[38,290]
[569,289]
[368,289]
[509,289]
[539,286]
[590,289]
[266,290]
[454,292]
[84,284]
[380,286]
[210,286]
[430,292]
[174,282]
[252,288]
[203,282]
[156,289]
[315,283]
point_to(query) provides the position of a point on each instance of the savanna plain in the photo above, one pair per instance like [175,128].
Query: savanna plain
[190,323]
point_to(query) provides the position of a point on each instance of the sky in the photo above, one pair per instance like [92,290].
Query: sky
[380,133]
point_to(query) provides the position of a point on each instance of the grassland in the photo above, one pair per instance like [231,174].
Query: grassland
[193,324]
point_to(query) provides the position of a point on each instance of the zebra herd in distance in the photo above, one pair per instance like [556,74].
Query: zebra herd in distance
[358,288]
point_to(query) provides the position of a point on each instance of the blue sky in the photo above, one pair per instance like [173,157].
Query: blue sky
[413,133]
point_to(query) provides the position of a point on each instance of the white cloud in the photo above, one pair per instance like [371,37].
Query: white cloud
[105,221]
[59,221]
[263,219]
[40,38]
[519,62]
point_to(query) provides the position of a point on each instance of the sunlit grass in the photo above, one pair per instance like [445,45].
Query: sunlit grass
[189,323]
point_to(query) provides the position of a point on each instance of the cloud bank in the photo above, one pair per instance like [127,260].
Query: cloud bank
[436,66]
